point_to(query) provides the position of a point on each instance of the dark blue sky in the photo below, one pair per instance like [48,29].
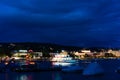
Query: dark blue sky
[67,22]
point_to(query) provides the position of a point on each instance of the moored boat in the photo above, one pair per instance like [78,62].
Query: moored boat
[61,60]
[26,67]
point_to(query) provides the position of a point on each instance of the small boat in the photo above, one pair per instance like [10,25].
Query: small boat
[93,69]
[75,68]
[26,67]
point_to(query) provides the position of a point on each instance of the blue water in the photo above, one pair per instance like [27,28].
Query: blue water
[108,65]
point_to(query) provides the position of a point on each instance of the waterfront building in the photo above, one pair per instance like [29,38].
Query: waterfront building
[19,54]
[26,54]
[80,55]
[114,52]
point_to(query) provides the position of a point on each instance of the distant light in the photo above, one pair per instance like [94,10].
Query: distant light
[85,51]
[63,51]
[23,51]
[61,64]
[30,50]
[32,63]
[6,63]
[15,51]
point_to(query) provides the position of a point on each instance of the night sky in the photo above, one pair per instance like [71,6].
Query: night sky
[66,22]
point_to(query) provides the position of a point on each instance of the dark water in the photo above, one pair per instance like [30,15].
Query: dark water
[108,65]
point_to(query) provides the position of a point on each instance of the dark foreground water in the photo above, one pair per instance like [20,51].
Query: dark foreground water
[108,65]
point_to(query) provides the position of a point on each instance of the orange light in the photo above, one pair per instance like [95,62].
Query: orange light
[6,63]
[32,63]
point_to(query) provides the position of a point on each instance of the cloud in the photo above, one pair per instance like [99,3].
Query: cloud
[78,22]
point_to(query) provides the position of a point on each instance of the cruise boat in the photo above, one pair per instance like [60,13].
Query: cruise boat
[63,60]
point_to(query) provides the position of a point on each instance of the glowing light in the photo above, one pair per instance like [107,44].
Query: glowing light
[6,63]
[61,64]
[23,77]
[22,50]
[30,50]
[31,62]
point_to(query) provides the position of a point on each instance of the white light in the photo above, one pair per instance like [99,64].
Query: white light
[22,50]
[61,64]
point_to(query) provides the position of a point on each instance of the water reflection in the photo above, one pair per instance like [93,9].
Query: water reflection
[24,77]
[31,76]
[6,77]
[108,65]
[56,76]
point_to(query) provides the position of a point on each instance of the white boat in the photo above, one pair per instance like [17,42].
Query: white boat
[61,57]
[63,60]
[75,68]
[93,69]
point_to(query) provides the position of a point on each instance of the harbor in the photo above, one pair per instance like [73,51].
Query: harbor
[59,40]
[109,67]
[60,64]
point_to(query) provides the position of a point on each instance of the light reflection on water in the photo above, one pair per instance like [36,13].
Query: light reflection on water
[6,77]
[24,77]
[31,76]
[108,65]
[56,76]
[16,76]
